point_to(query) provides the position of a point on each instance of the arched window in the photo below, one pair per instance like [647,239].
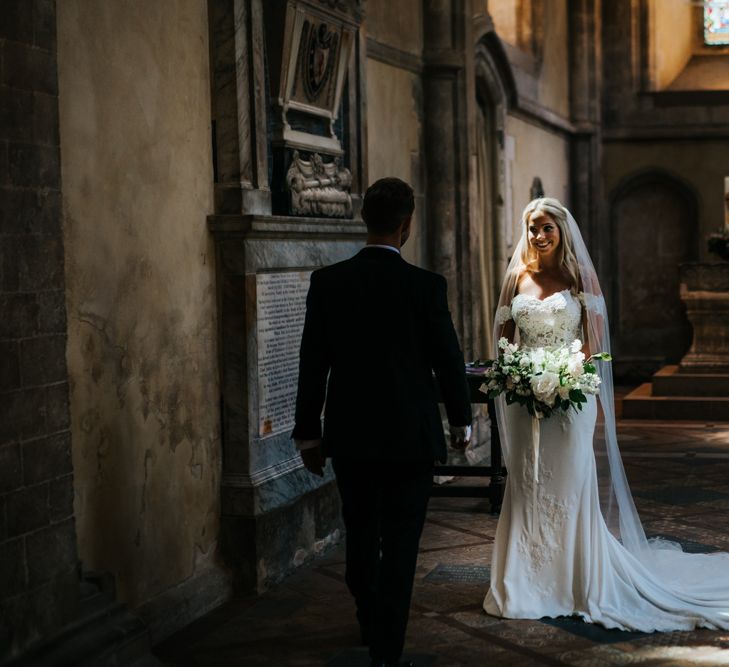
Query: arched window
[716,22]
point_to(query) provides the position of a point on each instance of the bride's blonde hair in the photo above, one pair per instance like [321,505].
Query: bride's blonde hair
[565,251]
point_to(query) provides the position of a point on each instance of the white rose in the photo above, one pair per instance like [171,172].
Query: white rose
[544,386]
[576,345]
[503,343]
[524,362]
[564,392]
[509,358]
[575,367]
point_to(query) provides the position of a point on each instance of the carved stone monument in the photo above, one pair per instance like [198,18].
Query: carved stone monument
[705,292]
[288,168]
[308,79]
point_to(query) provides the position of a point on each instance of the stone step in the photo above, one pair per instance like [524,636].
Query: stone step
[669,381]
[642,404]
[106,635]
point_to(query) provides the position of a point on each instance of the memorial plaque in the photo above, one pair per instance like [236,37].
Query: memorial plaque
[280,310]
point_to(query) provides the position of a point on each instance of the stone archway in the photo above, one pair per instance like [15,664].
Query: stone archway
[653,222]
[494,86]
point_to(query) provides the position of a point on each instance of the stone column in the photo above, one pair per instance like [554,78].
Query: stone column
[449,91]
[587,199]
[239,118]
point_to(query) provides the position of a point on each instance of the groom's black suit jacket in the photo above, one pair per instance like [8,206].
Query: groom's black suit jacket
[378,327]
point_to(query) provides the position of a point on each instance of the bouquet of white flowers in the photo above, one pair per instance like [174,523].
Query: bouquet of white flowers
[543,380]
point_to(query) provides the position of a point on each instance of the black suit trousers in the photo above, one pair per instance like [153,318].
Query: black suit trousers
[383,506]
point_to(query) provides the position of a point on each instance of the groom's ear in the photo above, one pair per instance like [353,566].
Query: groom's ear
[405,229]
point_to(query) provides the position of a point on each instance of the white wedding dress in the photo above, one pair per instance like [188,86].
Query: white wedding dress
[554,555]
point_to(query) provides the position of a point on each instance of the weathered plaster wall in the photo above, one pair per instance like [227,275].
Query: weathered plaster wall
[672,28]
[394,136]
[519,24]
[400,27]
[701,165]
[505,17]
[537,152]
[137,185]
[395,107]
[554,73]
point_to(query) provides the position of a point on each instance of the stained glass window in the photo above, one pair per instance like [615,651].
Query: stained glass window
[716,22]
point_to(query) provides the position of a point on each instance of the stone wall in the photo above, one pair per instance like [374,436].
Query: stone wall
[38,574]
[537,153]
[554,80]
[672,28]
[395,140]
[136,161]
[539,125]
[700,165]
[655,141]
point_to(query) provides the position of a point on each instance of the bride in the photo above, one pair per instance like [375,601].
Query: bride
[569,540]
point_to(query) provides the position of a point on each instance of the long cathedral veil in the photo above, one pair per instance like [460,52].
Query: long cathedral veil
[616,500]
[688,589]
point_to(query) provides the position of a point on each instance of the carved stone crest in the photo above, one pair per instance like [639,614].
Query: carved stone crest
[319,188]
[319,54]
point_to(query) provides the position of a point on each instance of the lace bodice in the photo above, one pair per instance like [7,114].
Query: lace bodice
[551,322]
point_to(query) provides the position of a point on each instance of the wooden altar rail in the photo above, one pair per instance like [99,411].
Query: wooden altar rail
[496,471]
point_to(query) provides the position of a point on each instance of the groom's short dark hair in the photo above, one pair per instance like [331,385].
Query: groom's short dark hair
[388,202]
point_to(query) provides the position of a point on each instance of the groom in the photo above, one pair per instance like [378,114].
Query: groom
[376,328]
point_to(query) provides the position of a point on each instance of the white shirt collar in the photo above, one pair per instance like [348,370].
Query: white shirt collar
[389,247]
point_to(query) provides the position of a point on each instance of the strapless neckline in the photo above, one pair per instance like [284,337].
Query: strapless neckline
[536,298]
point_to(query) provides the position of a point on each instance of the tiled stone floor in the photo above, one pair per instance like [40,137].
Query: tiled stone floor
[679,473]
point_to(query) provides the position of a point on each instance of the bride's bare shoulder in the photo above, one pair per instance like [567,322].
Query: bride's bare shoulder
[523,279]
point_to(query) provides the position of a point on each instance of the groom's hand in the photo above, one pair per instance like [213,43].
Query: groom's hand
[460,437]
[314,460]
[460,445]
